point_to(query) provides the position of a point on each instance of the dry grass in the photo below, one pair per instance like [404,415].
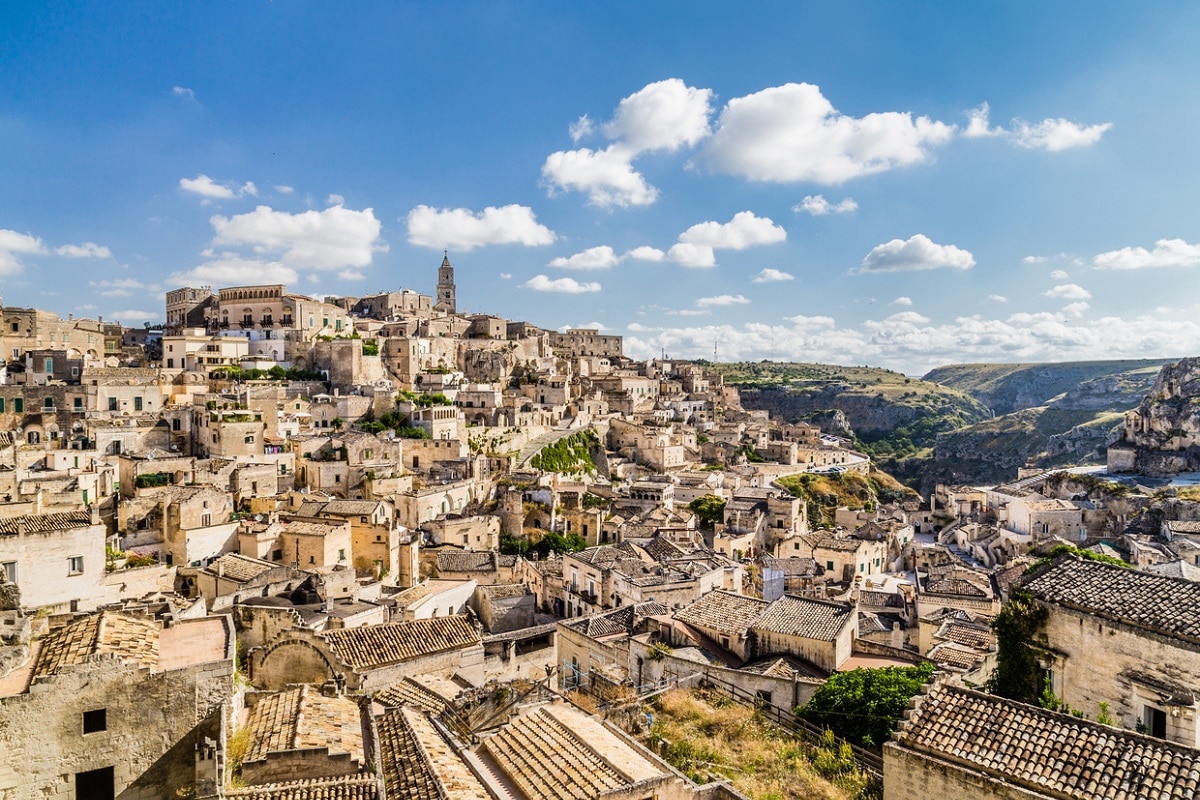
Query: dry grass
[708,737]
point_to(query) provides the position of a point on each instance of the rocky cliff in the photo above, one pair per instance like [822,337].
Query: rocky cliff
[1162,435]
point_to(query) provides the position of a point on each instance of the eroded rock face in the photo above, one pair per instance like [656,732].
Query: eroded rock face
[10,595]
[1162,435]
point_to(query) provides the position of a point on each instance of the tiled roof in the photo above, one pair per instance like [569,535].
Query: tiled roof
[966,634]
[419,764]
[133,639]
[240,568]
[1159,604]
[357,787]
[955,657]
[723,611]
[800,616]
[792,566]
[46,523]
[618,621]
[351,508]
[410,693]
[463,561]
[373,646]
[958,581]
[1055,754]
[303,719]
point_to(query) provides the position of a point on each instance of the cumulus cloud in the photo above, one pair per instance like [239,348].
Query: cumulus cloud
[744,230]
[543,283]
[1056,134]
[232,270]
[85,250]
[463,229]
[121,287]
[332,239]
[1166,253]
[209,189]
[335,200]
[285,189]
[688,254]
[135,316]
[1068,291]
[818,206]
[1033,260]
[1052,135]
[12,245]
[505,276]
[1076,309]
[997,298]
[722,300]
[915,253]
[770,275]
[352,275]
[601,257]
[901,301]
[646,254]
[793,133]
[662,116]
[183,91]
[1059,275]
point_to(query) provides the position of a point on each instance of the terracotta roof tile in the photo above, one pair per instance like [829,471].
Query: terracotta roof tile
[376,645]
[723,611]
[133,639]
[800,616]
[419,763]
[357,787]
[46,523]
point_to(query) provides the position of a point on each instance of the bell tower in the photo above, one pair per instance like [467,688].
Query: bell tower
[445,287]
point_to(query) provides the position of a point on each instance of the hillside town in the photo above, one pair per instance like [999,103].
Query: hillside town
[372,547]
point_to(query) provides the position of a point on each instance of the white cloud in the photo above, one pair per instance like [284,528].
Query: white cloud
[665,115]
[722,300]
[690,312]
[13,244]
[901,301]
[462,229]
[332,239]
[607,176]
[209,189]
[744,230]
[506,276]
[1068,291]
[1058,275]
[1049,134]
[916,253]
[542,283]
[978,125]
[601,257]
[285,189]
[793,133]
[646,254]
[692,255]
[997,298]
[134,316]
[85,250]
[121,287]
[1166,253]
[581,128]
[818,206]
[183,91]
[235,271]
[1076,309]
[770,275]
[352,275]
[662,116]
[1034,260]
[335,200]
[1056,134]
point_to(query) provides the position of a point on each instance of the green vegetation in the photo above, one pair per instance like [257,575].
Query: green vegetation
[550,542]
[150,479]
[424,400]
[1072,550]
[570,454]
[1018,675]
[397,422]
[370,347]
[825,492]
[275,373]
[593,501]
[708,737]
[864,706]
[710,509]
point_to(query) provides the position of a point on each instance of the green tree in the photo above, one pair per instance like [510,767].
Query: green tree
[709,508]
[864,706]
[1018,675]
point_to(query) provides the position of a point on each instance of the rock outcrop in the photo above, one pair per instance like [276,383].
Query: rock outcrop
[1162,435]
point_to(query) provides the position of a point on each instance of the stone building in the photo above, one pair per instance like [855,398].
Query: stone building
[1125,638]
[114,706]
[57,560]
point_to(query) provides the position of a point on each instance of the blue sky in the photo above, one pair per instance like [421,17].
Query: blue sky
[902,185]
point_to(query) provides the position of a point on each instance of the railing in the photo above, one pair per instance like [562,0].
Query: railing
[869,762]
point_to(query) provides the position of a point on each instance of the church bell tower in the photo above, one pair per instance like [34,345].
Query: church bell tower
[445,287]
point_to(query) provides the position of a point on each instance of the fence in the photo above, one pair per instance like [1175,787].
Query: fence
[868,762]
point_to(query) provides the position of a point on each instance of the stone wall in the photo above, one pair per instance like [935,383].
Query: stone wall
[909,775]
[153,722]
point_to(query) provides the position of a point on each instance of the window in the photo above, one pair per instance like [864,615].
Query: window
[10,570]
[828,565]
[77,403]
[1,405]
[137,404]
[16,327]
[1155,721]
[112,404]
[95,721]
[19,405]
[249,439]
[48,365]
[96,784]
[75,565]
[341,554]
[205,520]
